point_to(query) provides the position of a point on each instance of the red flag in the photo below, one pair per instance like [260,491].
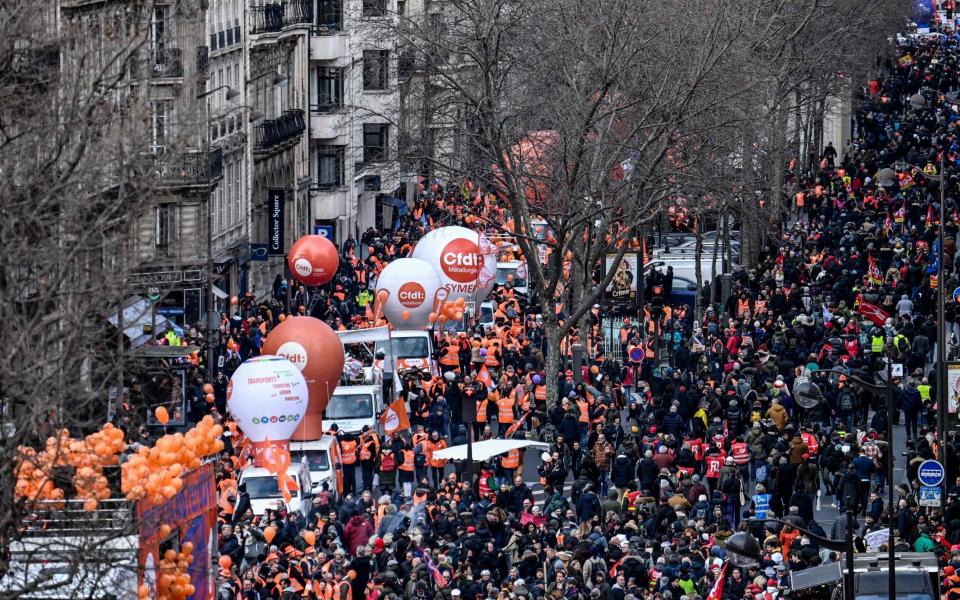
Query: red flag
[613,569]
[874,313]
[516,425]
[873,272]
[716,592]
[484,375]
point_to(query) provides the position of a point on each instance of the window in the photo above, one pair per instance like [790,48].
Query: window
[375,142]
[160,28]
[349,406]
[160,123]
[401,7]
[375,64]
[330,166]
[329,15]
[329,89]
[374,8]
[166,226]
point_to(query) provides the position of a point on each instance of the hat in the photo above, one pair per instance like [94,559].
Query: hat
[948,570]
[378,546]
[729,460]
[455,592]
[471,529]
[806,456]
[771,583]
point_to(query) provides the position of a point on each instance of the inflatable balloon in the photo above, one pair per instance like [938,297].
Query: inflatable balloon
[267,396]
[410,286]
[464,259]
[315,349]
[313,260]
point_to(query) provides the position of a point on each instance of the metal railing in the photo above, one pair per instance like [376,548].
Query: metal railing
[166,62]
[298,12]
[329,17]
[273,132]
[267,18]
[193,167]
[67,517]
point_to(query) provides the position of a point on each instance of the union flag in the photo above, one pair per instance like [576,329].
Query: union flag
[873,313]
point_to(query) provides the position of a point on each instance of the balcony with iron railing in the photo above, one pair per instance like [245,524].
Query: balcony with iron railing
[187,169]
[166,62]
[297,12]
[266,18]
[272,134]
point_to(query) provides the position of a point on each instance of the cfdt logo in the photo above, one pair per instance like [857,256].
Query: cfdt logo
[303,267]
[412,294]
[461,260]
[295,353]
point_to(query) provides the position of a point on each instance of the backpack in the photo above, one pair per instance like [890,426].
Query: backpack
[902,344]
[388,462]
[846,401]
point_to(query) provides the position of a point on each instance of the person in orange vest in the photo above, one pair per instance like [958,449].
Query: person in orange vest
[369,451]
[422,448]
[406,468]
[505,411]
[509,462]
[449,356]
[437,465]
[349,450]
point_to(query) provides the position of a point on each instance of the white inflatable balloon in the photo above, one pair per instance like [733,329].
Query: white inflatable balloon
[411,284]
[267,396]
[465,261]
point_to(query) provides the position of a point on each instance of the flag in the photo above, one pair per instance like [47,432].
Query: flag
[516,425]
[901,213]
[432,568]
[716,592]
[887,225]
[827,315]
[873,272]
[934,258]
[873,313]
[931,218]
[395,417]
[483,375]
[613,569]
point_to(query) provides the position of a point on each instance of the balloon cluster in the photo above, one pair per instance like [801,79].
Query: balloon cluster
[156,473]
[173,580]
[449,310]
[208,393]
[34,469]
[276,459]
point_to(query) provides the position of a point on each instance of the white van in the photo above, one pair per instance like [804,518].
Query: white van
[411,349]
[518,270]
[353,406]
[321,457]
[264,491]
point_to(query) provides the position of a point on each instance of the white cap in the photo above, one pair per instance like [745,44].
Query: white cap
[455,592]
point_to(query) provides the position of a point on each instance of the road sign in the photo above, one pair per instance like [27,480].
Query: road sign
[153,293]
[930,473]
[324,231]
[929,496]
[956,295]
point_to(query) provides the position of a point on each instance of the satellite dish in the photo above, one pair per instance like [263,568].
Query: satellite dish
[807,393]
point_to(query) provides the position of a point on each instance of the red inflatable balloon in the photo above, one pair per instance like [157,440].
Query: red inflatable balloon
[314,348]
[313,260]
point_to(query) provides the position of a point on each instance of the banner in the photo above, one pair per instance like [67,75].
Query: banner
[873,272]
[953,387]
[623,286]
[275,208]
[395,417]
[874,313]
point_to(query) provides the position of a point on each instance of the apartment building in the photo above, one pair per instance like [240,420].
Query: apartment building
[354,83]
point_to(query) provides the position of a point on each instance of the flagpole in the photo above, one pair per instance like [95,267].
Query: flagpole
[942,404]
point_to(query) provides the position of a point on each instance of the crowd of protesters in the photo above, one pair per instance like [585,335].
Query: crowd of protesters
[651,467]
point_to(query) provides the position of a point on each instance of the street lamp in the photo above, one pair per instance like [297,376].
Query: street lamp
[211,317]
[743,550]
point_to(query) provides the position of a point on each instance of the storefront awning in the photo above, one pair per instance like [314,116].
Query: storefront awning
[487,449]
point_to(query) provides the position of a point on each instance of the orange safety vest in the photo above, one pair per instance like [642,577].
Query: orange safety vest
[419,438]
[452,357]
[491,359]
[505,410]
[346,590]
[540,393]
[482,412]
[407,464]
[743,308]
[438,462]
[584,411]
[524,402]
[348,452]
[369,444]
[511,460]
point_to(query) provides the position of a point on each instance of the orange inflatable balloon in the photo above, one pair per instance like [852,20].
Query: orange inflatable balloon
[313,260]
[225,562]
[207,388]
[163,417]
[315,349]
[269,533]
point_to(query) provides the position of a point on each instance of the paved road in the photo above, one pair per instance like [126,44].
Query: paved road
[825,516]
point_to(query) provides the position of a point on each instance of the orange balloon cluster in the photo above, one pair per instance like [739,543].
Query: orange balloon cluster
[88,456]
[449,311]
[156,473]
[276,459]
[173,580]
[208,393]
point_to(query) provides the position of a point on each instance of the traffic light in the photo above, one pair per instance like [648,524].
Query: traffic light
[658,300]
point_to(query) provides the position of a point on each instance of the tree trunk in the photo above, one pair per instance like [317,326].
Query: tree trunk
[749,219]
[698,260]
[552,359]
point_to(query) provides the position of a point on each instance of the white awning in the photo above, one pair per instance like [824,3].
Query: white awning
[220,293]
[136,317]
[487,449]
